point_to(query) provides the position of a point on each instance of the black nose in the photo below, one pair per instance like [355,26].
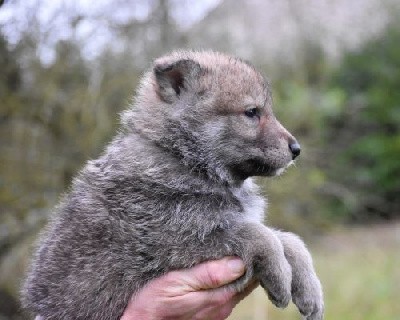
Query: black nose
[295,149]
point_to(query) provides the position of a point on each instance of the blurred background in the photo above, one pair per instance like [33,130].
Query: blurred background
[67,68]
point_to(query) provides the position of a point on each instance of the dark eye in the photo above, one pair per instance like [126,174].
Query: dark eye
[251,113]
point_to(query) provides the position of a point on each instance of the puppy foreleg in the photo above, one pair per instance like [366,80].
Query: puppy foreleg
[306,288]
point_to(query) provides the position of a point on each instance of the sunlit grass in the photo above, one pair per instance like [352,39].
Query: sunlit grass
[360,273]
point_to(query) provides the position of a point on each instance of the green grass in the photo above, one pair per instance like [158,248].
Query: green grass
[360,272]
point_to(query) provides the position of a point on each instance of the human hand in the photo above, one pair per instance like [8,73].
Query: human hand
[190,294]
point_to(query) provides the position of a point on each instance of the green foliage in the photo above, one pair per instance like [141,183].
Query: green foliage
[299,200]
[370,80]
[348,124]
[294,200]
[53,118]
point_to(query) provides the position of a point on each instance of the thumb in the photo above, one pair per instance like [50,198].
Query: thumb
[213,274]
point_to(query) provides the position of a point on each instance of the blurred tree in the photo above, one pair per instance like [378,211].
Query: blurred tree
[54,115]
[10,78]
[366,134]
[10,100]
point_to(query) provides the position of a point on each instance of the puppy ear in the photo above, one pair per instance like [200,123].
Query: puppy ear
[173,77]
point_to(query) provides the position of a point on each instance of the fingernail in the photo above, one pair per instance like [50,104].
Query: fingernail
[236,265]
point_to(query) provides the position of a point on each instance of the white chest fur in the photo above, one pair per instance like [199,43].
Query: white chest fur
[252,202]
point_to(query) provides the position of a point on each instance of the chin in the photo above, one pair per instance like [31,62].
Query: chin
[270,173]
[280,171]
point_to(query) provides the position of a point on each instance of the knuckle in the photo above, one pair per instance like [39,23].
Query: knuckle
[170,277]
[211,277]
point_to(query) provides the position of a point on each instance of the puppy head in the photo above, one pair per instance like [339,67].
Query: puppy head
[214,112]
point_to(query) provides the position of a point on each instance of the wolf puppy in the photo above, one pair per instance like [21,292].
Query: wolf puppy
[173,190]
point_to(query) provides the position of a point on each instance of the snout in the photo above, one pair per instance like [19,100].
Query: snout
[293,145]
[295,148]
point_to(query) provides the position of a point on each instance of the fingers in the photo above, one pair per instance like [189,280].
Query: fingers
[211,274]
[226,296]
[196,293]
[223,300]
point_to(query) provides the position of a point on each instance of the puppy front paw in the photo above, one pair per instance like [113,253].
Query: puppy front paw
[276,279]
[306,287]
[264,254]
[308,297]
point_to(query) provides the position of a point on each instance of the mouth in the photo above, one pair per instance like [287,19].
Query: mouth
[256,167]
[274,172]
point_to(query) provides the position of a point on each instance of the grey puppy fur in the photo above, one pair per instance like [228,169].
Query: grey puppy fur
[171,190]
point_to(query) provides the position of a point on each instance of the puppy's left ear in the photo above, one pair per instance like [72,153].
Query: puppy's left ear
[173,77]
